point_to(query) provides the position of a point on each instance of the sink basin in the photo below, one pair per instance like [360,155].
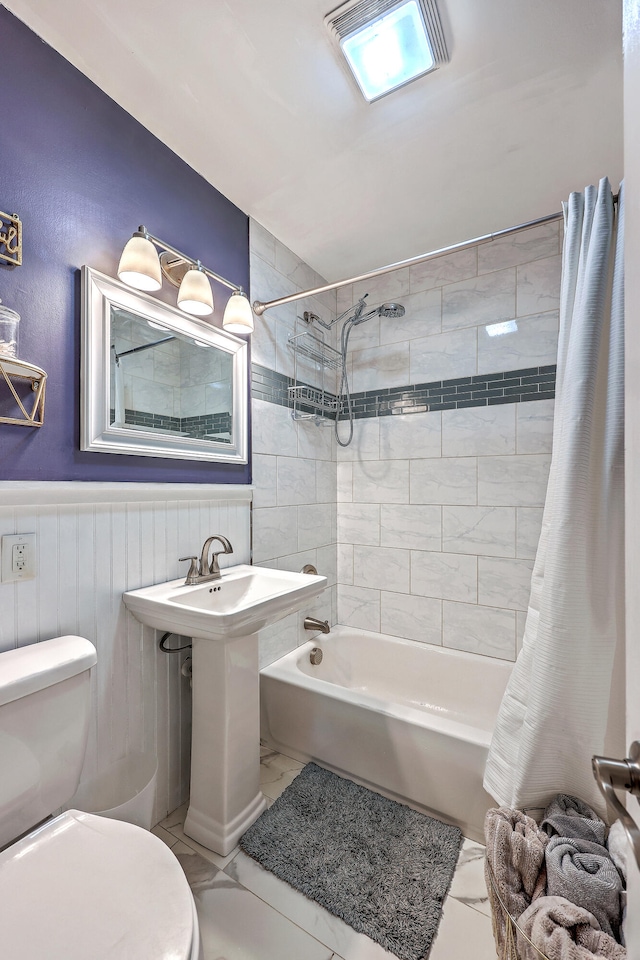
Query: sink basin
[244,600]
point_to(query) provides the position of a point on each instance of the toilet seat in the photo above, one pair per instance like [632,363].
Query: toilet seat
[82,886]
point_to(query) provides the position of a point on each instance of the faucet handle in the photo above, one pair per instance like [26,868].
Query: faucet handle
[192,575]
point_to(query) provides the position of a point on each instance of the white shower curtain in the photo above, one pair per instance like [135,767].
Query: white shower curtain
[554,713]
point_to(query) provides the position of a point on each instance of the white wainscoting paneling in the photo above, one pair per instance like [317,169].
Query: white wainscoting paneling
[92,545]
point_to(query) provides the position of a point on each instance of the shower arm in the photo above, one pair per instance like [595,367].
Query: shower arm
[314,318]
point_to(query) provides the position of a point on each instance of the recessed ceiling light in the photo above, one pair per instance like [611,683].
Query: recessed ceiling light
[388,43]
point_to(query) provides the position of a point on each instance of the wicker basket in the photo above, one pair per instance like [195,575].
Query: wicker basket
[500,916]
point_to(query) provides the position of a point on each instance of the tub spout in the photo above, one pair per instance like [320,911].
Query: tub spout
[310,623]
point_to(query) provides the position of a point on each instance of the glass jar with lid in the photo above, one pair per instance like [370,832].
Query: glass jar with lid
[9,321]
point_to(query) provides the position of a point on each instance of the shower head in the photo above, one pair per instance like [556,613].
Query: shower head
[391,310]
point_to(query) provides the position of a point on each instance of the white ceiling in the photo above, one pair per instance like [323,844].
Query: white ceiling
[253,95]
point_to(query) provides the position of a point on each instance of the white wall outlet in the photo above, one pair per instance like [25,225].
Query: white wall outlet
[19,557]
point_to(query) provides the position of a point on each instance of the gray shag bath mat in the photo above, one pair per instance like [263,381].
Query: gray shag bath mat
[380,866]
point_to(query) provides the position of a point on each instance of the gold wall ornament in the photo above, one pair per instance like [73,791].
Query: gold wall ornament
[11,238]
[14,372]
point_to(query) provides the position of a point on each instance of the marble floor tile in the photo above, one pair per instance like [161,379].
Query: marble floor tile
[164,835]
[197,870]
[176,818]
[305,913]
[236,925]
[276,773]
[468,885]
[463,933]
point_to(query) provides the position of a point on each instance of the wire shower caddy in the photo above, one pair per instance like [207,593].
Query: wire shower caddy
[313,403]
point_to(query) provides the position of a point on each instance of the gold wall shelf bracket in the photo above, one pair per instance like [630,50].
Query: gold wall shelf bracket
[15,372]
[10,239]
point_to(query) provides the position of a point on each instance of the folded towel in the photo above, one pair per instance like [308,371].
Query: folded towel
[515,860]
[570,817]
[563,931]
[584,873]
[617,847]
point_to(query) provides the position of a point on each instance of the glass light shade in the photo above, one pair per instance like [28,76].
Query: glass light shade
[389,51]
[195,295]
[139,265]
[238,315]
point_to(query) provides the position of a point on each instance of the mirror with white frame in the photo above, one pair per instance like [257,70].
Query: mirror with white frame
[158,383]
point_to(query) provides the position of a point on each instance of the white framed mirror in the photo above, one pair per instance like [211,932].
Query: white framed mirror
[156,382]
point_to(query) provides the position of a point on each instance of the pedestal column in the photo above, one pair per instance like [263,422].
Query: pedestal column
[225,742]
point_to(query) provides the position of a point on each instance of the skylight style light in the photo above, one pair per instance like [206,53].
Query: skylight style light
[389,52]
[388,43]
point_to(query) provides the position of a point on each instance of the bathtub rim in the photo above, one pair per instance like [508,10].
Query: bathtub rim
[285,670]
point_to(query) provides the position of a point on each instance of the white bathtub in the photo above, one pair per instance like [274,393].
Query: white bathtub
[411,720]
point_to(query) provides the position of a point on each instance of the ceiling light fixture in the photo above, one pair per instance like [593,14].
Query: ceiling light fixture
[387,43]
[142,267]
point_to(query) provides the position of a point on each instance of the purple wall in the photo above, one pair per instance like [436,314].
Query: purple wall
[82,174]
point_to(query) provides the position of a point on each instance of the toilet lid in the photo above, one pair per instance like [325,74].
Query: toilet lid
[86,888]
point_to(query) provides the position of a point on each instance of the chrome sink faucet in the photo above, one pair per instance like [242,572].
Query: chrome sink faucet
[205,570]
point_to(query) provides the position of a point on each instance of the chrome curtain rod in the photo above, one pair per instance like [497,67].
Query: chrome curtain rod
[259,306]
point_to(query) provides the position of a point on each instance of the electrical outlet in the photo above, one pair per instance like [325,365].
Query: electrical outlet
[18,557]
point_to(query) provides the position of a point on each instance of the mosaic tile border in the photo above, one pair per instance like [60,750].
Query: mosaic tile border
[485,389]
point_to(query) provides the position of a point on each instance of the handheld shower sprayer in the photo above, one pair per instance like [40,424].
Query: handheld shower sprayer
[388,310]
[353,316]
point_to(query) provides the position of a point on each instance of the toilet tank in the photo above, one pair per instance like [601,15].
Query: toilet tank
[44,723]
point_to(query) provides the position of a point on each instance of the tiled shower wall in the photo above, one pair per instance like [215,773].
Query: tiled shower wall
[439,512]
[294,466]
[94,541]
[440,494]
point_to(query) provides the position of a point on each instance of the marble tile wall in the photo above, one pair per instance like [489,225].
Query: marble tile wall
[294,463]
[450,301]
[172,379]
[439,513]
[152,377]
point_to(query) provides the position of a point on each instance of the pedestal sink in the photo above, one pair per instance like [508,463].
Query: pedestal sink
[223,618]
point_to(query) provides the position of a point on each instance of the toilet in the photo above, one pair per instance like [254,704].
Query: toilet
[74,886]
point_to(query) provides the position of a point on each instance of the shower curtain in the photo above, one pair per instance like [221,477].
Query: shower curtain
[554,712]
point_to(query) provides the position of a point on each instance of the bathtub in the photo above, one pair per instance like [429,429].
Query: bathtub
[410,720]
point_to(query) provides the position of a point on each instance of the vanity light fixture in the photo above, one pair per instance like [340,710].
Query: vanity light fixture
[238,315]
[195,295]
[143,267]
[388,43]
